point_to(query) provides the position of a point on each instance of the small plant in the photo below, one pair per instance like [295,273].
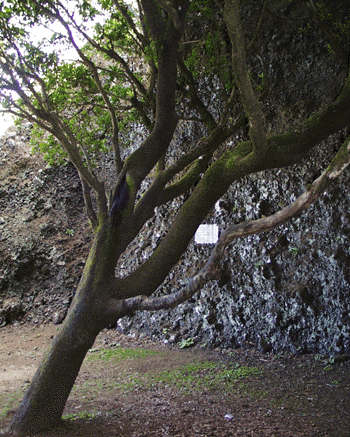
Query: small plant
[328,368]
[329,365]
[70,232]
[260,87]
[186,343]
[294,250]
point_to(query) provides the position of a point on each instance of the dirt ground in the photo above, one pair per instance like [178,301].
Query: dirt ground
[133,387]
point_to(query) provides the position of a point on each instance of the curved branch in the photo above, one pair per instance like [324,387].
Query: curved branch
[202,153]
[140,163]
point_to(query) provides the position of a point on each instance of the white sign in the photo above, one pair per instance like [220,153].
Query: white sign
[207,234]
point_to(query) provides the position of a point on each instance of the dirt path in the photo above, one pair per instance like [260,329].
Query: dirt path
[131,387]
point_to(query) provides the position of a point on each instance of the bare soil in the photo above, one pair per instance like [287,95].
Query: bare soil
[154,389]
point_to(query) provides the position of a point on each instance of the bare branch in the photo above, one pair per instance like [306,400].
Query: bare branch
[250,102]
[111,110]
[88,203]
[195,101]
[144,303]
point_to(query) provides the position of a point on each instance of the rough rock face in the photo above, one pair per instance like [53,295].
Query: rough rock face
[44,233]
[288,289]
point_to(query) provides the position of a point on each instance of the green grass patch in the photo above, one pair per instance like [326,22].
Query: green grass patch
[81,415]
[207,375]
[8,402]
[119,354]
[196,376]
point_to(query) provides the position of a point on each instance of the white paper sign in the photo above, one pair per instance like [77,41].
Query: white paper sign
[207,234]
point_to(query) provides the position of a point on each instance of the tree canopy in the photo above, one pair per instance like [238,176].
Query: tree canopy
[104,68]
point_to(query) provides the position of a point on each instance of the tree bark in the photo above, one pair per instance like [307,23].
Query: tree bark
[43,404]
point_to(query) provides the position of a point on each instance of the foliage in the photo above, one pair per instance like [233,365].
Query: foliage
[329,15]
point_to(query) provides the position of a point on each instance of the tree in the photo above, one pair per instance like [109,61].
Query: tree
[149,68]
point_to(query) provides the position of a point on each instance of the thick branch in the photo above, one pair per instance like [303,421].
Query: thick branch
[145,158]
[154,19]
[200,157]
[171,12]
[250,102]
[339,163]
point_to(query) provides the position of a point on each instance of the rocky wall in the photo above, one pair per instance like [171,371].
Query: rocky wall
[289,289]
[285,290]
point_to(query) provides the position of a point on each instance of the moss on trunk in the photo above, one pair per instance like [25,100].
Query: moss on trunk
[43,404]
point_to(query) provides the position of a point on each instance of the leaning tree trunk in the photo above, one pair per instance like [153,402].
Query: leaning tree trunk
[43,404]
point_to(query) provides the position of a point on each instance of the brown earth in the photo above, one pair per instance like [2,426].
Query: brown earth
[133,387]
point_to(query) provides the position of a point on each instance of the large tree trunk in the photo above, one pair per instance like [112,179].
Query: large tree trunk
[44,402]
